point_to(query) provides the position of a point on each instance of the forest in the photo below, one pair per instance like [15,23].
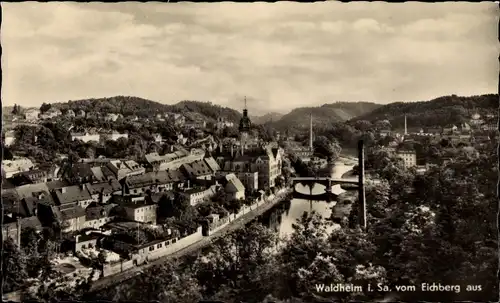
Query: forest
[127,106]
[437,112]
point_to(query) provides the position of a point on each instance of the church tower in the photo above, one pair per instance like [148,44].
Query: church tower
[244,128]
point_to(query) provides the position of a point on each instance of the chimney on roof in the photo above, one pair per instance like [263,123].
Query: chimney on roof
[63,190]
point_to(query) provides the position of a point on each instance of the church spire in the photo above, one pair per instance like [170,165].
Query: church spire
[245,110]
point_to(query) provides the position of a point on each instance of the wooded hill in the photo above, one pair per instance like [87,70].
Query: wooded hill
[273,116]
[127,105]
[437,112]
[325,114]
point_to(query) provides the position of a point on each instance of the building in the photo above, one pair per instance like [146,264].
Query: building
[139,210]
[122,169]
[244,129]
[223,123]
[85,137]
[31,114]
[197,170]
[464,127]
[175,159]
[157,138]
[250,180]
[235,190]
[102,173]
[111,117]
[52,170]
[199,194]
[98,215]
[113,136]
[153,182]
[74,195]
[177,119]
[266,161]
[9,138]
[102,192]
[15,166]
[409,157]
[51,113]
[384,132]
[450,128]
[476,120]
[30,177]
[86,241]
[72,219]
[195,125]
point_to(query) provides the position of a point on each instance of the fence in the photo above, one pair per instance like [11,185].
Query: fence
[117,267]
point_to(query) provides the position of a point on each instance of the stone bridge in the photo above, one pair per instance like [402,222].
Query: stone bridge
[326,181]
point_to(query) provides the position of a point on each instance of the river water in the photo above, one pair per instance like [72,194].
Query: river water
[285,214]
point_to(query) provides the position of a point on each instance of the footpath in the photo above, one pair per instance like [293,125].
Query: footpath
[204,242]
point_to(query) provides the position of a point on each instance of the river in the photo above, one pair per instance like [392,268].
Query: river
[285,214]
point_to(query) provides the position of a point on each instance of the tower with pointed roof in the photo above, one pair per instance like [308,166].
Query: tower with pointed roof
[244,128]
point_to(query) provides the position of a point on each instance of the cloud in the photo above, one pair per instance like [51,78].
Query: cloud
[281,55]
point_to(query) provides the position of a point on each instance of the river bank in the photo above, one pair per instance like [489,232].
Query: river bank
[204,242]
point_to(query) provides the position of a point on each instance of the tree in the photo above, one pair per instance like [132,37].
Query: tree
[45,107]
[239,266]
[326,148]
[16,110]
[363,125]
[164,283]
[13,266]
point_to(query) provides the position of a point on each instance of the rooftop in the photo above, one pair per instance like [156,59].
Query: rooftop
[73,193]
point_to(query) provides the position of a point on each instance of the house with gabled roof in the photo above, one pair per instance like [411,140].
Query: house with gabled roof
[200,194]
[234,188]
[102,192]
[197,170]
[72,219]
[73,195]
[97,215]
[152,182]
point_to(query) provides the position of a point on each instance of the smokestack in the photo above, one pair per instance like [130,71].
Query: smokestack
[361,185]
[311,133]
[406,130]
[18,233]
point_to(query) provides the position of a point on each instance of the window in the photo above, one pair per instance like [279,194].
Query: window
[83,246]
[159,245]
[174,240]
[151,248]
[167,243]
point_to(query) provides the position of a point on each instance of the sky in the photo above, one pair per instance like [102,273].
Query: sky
[279,55]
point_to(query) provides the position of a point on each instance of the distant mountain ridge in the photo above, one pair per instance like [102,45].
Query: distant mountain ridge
[436,112]
[325,114]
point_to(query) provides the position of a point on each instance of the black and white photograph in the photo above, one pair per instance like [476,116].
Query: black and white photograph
[258,152]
